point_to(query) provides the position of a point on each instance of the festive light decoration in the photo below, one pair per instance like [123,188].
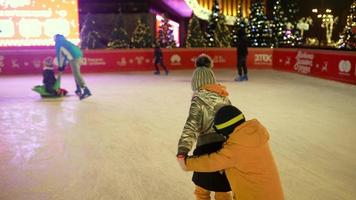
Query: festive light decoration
[240,23]
[218,34]
[328,21]
[165,33]
[259,31]
[119,37]
[15,3]
[293,34]
[222,33]
[168,30]
[348,36]
[35,22]
[213,21]
[303,24]
[91,38]
[194,34]
[204,13]
[142,36]
[279,23]
[292,11]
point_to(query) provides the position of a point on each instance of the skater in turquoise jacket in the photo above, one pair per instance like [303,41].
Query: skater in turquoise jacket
[68,52]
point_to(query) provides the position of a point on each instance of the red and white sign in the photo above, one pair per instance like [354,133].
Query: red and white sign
[260,58]
[334,65]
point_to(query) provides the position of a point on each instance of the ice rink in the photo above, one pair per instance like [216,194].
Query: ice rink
[120,143]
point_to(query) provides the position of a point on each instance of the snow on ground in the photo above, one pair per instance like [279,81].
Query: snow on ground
[121,142]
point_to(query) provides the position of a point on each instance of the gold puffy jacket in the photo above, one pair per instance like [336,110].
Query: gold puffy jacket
[199,125]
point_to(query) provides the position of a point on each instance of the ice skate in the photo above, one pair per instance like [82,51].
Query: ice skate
[239,79]
[78,92]
[86,93]
[245,78]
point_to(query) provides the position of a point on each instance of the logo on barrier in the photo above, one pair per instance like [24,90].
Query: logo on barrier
[93,61]
[36,63]
[122,62]
[219,59]
[2,63]
[176,59]
[304,62]
[139,60]
[325,67]
[263,59]
[344,67]
[15,63]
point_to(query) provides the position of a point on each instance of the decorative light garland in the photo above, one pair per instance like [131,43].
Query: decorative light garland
[204,13]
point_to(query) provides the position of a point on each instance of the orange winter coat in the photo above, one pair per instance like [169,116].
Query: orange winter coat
[248,163]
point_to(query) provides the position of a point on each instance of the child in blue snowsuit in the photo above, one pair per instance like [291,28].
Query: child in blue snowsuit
[68,52]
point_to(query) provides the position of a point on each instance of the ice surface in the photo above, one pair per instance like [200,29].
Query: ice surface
[121,142]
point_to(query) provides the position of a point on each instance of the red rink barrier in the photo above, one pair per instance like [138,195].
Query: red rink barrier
[333,65]
[327,64]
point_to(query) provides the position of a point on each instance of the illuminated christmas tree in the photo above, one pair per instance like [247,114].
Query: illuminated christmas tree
[165,34]
[141,36]
[213,21]
[259,31]
[218,34]
[348,36]
[222,33]
[119,37]
[90,37]
[292,11]
[194,35]
[240,23]
[293,34]
[279,22]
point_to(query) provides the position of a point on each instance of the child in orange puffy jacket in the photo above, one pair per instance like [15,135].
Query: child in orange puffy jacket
[245,157]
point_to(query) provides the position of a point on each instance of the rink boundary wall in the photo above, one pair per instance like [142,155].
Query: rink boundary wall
[327,64]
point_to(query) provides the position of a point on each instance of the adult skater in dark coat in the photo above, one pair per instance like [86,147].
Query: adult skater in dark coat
[158,59]
[242,52]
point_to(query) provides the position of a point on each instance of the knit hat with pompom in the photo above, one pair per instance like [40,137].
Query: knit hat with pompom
[203,74]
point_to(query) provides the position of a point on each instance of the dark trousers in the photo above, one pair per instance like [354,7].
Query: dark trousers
[213,181]
[162,64]
[241,65]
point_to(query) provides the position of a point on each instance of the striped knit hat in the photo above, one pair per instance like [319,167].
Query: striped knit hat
[202,76]
[204,60]
[227,118]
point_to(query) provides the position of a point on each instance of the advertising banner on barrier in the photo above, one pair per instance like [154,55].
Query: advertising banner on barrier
[22,62]
[15,62]
[138,60]
[334,65]
[328,64]
[260,58]
[31,61]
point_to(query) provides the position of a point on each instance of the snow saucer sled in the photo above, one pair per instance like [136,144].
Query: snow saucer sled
[40,89]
